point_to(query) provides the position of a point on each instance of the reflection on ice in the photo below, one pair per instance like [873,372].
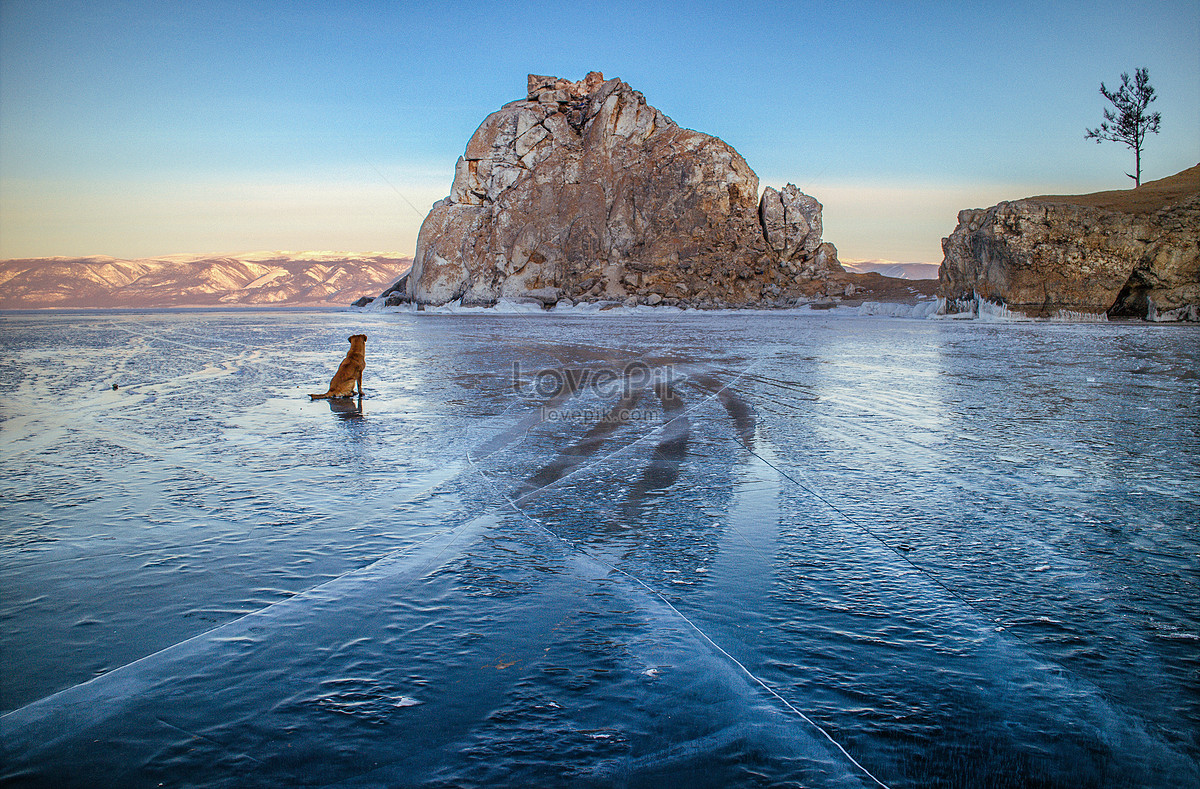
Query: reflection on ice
[822,552]
[580,451]
[671,450]
[346,407]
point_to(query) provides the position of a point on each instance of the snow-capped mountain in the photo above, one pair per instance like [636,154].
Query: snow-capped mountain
[891,268]
[284,279]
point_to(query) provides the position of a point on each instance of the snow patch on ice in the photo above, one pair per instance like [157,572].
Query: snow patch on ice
[922,309]
[1068,316]
[935,308]
[997,312]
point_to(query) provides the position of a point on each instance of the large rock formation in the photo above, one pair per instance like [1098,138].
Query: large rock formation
[583,191]
[1129,253]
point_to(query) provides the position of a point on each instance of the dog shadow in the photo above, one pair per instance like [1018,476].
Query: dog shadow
[347,408]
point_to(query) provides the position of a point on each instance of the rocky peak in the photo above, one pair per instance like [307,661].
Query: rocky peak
[554,87]
[583,190]
[573,99]
[791,222]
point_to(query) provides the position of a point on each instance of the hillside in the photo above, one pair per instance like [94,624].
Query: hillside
[1148,198]
[280,279]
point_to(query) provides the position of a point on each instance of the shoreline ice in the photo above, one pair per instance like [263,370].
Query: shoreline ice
[923,309]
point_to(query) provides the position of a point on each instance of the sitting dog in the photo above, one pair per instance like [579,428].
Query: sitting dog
[349,371]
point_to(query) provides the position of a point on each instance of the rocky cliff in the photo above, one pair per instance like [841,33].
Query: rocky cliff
[1127,253]
[289,279]
[583,191]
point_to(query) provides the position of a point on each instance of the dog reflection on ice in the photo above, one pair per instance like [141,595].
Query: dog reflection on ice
[346,407]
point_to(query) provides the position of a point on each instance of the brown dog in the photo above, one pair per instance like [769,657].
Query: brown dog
[349,371]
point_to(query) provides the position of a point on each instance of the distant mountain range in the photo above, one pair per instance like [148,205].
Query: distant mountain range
[890,268]
[280,279]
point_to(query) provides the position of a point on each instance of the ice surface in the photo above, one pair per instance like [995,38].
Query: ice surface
[805,549]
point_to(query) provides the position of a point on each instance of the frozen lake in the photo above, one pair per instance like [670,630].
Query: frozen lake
[676,550]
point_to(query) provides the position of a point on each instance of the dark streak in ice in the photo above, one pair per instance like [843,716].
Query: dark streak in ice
[670,451]
[577,453]
[737,408]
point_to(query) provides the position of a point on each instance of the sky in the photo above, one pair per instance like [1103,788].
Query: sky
[137,129]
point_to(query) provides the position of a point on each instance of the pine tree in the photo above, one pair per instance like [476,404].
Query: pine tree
[1130,123]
